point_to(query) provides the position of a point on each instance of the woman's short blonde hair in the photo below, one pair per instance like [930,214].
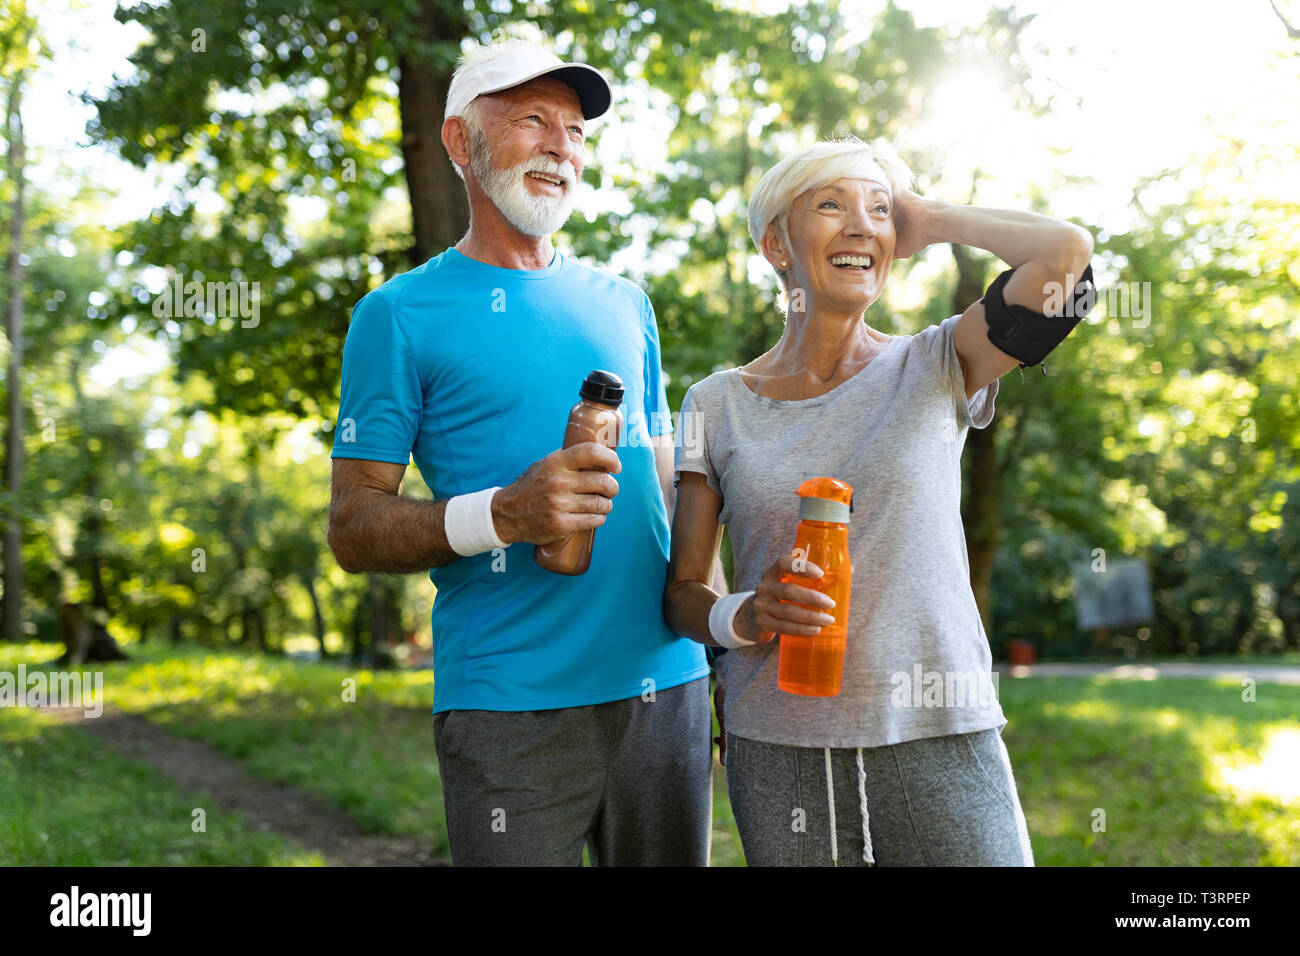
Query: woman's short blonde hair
[814,167]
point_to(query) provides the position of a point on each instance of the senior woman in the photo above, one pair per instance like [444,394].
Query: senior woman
[906,765]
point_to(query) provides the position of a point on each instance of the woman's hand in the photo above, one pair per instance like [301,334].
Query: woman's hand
[765,614]
[911,224]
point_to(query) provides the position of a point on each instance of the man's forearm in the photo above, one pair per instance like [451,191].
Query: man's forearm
[389,534]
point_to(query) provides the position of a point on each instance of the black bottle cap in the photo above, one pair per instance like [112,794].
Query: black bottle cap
[604,387]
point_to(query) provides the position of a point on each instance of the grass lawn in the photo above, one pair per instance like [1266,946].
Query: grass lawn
[288,721]
[1184,770]
[70,802]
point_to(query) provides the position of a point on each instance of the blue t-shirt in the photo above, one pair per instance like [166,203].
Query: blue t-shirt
[473,369]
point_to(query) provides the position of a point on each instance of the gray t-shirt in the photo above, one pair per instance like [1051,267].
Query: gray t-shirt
[918,662]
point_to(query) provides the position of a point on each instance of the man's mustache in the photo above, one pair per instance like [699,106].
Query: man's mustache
[539,164]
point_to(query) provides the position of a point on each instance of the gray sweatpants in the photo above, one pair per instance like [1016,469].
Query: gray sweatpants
[630,778]
[939,801]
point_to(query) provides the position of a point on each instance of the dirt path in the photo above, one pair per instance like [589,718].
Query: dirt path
[196,766]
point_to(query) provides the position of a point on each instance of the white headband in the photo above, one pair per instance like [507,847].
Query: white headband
[872,172]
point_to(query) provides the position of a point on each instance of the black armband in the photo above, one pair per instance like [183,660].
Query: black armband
[1028,335]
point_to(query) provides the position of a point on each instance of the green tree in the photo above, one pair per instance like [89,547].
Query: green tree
[22,50]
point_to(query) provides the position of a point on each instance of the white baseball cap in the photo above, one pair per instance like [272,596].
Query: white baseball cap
[518,63]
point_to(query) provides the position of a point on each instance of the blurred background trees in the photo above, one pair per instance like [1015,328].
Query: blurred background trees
[188,503]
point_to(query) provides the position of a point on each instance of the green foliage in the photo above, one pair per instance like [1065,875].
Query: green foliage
[1172,437]
[1174,440]
[289,147]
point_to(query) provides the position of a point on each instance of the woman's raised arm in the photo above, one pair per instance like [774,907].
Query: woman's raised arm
[1048,254]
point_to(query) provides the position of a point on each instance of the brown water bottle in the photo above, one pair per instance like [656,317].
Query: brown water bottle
[595,418]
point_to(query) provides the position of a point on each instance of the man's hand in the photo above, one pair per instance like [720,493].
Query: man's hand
[564,492]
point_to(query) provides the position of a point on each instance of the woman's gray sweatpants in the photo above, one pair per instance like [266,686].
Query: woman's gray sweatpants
[939,801]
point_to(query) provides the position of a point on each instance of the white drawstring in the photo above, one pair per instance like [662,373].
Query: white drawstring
[862,806]
[867,854]
[830,800]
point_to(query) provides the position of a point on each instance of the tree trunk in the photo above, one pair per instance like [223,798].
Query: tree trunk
[317,617]
[381,620]
[1290,631]
[99,610]
[74,629]
[249,628]
[439,207]
[102,645]
[13,567]
[259,624]
[95,560]
[248,638]
[357,629]
[982,511]
[983,517]
[378,611]
[85,640]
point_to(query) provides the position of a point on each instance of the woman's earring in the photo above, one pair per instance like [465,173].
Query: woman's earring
[785,264]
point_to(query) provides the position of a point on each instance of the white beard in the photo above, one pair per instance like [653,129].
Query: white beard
[531,214]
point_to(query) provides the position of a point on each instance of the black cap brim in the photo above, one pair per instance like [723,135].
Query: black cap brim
[593,92]
[594,95]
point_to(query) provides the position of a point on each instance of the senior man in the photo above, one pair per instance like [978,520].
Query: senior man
[565,710]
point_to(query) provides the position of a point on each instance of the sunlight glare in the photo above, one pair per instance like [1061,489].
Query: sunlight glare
[1277,772]
[962,108]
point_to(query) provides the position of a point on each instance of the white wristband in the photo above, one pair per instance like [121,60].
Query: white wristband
[722,620]
[468,523]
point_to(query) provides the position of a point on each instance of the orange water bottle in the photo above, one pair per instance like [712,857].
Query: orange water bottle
[814,666]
